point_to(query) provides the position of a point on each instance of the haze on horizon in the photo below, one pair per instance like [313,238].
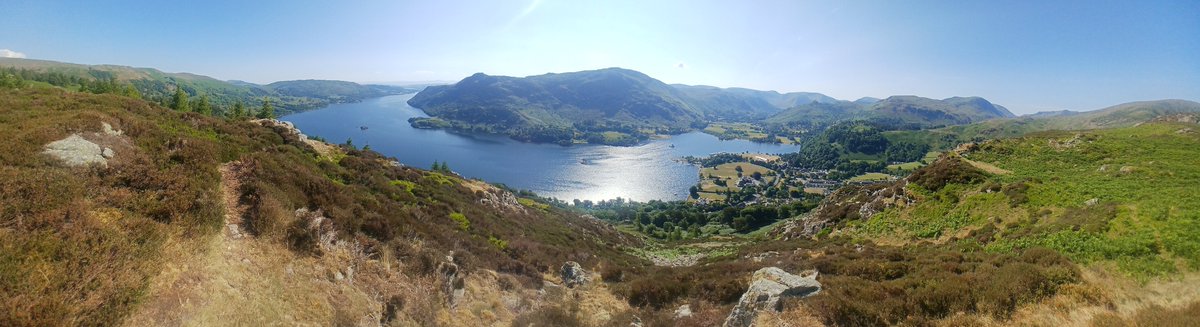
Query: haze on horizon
[1029,56]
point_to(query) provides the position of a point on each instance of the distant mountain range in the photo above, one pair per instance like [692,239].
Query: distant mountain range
[156,85]
[1122,115]
[629,102]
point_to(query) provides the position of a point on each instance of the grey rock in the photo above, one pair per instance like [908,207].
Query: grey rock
[76,151]
[573,274]
[452,282]
[683,311]
[108,129]
[1091,202]
[107,153]
[767,287]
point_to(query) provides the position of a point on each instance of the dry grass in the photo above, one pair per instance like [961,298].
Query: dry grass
[1105,299]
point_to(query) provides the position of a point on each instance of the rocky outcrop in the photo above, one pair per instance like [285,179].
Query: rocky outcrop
[573,274]
[77,151]
[291,135]
[452,282]
[500,200]
[767,287]
[847,203]
[683,311]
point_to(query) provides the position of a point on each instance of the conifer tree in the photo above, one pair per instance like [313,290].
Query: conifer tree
[203,106]
[267,111]
[180,100]
[238,111]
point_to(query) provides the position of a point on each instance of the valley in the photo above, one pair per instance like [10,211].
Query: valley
[600,164]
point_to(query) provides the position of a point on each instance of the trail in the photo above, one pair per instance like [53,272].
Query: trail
[234,279]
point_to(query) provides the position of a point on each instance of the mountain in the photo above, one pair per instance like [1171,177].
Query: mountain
[740,104]
[897,112]
[815,115]
[334,91]
[866,100]
[728,103]
[553,107]
[287,96]
[593,106]
[1046,114]
[1122,115]
[924,112]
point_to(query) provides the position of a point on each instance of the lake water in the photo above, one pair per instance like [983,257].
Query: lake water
[651,171]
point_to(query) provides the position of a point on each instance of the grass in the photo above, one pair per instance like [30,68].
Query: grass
[79,244]
[930,157]
[1125,196]
[870,177]
[744,131]
[728,172]
[908,166]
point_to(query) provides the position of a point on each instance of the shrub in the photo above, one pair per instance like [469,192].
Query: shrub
[461,220]
[947,170]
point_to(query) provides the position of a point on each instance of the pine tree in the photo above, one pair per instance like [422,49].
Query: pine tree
[203,107]
[239,110]
[180,100]
[267,111]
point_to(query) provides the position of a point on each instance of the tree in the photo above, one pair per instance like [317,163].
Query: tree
[180,100]
[239,110]
[267,111]
[203,106]
[131,91]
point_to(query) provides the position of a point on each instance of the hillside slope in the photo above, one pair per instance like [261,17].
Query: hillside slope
[1121,203]
[553,107]
[899,112]
[1122,115]
[153,84]
[144,235]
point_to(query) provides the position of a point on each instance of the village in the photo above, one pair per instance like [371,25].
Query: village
[754,179]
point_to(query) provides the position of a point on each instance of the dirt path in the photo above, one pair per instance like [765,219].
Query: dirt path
[234,279]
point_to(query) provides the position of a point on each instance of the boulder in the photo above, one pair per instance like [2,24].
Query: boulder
[684,311]
[77,151]
[573,274]
[767,287]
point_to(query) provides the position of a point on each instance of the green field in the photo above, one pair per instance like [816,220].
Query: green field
[728,172]
[868,177]
[906,166]
[742,131]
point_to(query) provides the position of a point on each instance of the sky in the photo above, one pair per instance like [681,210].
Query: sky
[1027,55]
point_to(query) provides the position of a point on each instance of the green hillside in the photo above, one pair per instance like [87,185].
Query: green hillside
[896,112]
[158,86]
[1124,196]
[1123,115]
[86,245]
[554,107]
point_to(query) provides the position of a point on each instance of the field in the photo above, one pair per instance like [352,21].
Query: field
[909,166]
[868,177]
[744,131]
[728,173]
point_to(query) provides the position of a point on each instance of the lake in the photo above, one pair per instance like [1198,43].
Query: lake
[651,171]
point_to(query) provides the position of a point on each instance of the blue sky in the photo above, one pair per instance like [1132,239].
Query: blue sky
[1027,55]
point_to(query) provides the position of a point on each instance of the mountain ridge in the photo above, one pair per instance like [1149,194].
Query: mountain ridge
[288,96]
